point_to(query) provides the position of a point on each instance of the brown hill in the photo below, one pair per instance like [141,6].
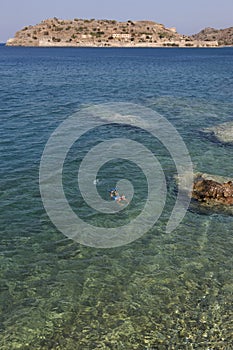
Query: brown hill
[55,32]
[84,32]
[223,36]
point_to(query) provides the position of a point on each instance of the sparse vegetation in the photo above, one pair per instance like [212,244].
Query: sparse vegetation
[56,39]
[59,29]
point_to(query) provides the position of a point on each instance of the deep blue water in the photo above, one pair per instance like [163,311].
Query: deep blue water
[163,291]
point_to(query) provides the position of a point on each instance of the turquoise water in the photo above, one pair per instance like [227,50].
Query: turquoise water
[163,291]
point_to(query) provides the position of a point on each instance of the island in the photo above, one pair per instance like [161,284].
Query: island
[111,33]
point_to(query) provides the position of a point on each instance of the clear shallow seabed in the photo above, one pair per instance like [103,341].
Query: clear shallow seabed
[163,291]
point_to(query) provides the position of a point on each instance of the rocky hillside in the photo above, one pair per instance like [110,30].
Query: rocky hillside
[92,32]
[223,36]
[80,32]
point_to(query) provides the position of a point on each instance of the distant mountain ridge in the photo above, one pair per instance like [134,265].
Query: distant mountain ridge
[99,33]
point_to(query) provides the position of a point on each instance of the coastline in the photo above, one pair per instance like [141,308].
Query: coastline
[120,46]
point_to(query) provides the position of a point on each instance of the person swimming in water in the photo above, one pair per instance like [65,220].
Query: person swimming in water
[114,194]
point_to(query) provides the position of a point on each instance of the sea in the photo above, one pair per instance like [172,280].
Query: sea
[163,289]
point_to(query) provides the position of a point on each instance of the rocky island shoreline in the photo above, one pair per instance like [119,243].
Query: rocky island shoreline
[110,33]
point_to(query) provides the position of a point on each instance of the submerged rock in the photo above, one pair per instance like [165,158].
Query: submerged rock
[222,133]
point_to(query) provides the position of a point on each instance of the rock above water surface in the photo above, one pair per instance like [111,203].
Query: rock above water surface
[211,192]
[222,132]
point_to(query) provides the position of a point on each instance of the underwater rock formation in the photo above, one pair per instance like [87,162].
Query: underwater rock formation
[222,133]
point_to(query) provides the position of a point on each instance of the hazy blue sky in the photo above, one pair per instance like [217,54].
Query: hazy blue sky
[188,17]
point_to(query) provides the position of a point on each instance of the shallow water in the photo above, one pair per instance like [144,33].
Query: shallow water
[163,291]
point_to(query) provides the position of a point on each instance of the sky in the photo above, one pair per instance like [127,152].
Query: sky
[188,16]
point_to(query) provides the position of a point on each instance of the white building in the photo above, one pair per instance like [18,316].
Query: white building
[121,36]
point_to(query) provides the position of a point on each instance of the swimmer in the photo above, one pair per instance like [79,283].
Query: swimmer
[114,194]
